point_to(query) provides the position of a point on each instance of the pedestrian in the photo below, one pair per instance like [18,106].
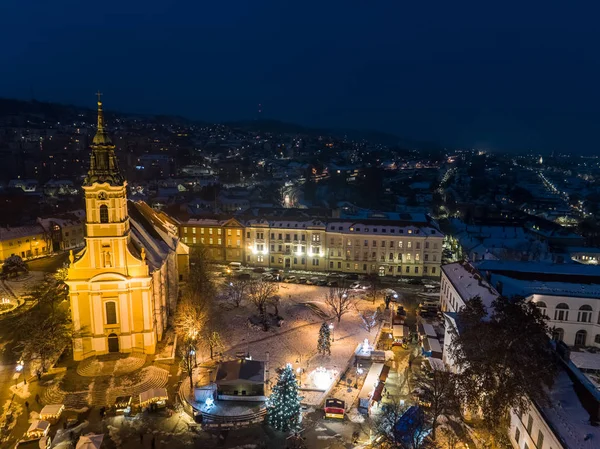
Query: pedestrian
[153,443]
[141,438]
[37,398]
[27,405]
[39,375]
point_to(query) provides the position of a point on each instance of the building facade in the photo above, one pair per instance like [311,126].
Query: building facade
[123,284]
[388,248]
[24,241]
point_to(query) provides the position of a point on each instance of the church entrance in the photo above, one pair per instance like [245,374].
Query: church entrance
[113,343]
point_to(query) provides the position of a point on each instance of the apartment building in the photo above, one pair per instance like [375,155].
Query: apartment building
[222,239]
[24,241]
[385,247]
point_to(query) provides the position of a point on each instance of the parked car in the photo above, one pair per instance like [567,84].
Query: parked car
[301,280]
[290,279]
[312,281]
[321,282]
[259,270]
[355,286]
[245,276]
[332,283]
[352,277]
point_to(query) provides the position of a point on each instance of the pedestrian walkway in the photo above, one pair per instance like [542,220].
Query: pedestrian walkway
[111,364]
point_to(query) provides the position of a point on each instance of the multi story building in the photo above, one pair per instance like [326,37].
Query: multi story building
[385,247]
[65,231]
[568,419]
[222,239]
[24,241]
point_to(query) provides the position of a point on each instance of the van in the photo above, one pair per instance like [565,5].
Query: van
[235,266]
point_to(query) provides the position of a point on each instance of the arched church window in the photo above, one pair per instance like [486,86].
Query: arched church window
[104,213]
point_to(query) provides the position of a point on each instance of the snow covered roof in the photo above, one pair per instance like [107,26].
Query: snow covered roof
[539,267]
[462,277]
[586,360]
[150,233]
[38,426]
[567,417]
[90,441]
[526,287]
[245,370]
[20,231]
[154,393]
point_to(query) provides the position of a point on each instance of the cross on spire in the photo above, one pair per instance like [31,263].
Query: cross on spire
[99,94]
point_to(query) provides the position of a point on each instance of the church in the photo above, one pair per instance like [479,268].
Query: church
[124,284]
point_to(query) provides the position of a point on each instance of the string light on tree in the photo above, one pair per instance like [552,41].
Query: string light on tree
[283,406]
[324,342]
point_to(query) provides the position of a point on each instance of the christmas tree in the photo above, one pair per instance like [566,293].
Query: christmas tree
[283,406]
[324,343]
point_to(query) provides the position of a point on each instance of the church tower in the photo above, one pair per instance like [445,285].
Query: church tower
[116,304]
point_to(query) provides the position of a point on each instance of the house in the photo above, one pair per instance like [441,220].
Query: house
[241,380]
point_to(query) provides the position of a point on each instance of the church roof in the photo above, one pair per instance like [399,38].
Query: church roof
[149,233]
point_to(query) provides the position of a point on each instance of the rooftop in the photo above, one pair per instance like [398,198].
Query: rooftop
[464,280]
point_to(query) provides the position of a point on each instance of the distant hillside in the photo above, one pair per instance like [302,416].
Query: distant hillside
[26,110]
[279,127]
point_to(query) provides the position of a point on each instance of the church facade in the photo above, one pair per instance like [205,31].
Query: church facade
[123,284]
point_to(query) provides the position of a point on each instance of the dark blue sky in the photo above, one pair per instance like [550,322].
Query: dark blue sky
[513,75]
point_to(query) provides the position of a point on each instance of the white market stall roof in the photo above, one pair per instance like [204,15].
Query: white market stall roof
[154,393]
[429,330]
[52,410]
[90,441]
[38,426]
[434,345]
[586,360]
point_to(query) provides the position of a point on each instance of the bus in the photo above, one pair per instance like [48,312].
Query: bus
[335,408]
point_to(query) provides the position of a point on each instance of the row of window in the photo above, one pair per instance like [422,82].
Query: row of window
[210,231]
[540,435]
[338,265]
[561,312]
[558,334]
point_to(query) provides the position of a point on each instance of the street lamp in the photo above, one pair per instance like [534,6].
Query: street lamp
[332,332]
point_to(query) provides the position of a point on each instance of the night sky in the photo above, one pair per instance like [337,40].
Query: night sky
[515,76]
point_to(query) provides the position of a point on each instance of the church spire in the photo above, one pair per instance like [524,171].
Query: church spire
[101,137]
[103,161]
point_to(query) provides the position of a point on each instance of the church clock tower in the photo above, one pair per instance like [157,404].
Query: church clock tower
[110,286]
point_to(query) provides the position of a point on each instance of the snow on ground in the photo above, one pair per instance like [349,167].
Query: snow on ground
[13,408]
[21,390]
[22,286]
[295,341]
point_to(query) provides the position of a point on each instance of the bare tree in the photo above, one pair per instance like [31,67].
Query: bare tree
[214,343]
[339,301]
[261,292]
[188,360]
[370,319]
[190,319]
[237,290]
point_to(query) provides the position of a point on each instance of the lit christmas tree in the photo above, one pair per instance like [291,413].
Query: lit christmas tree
[324,343]
[283,406]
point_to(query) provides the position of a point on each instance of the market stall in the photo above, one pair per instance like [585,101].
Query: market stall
[52,412]
[155,397]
